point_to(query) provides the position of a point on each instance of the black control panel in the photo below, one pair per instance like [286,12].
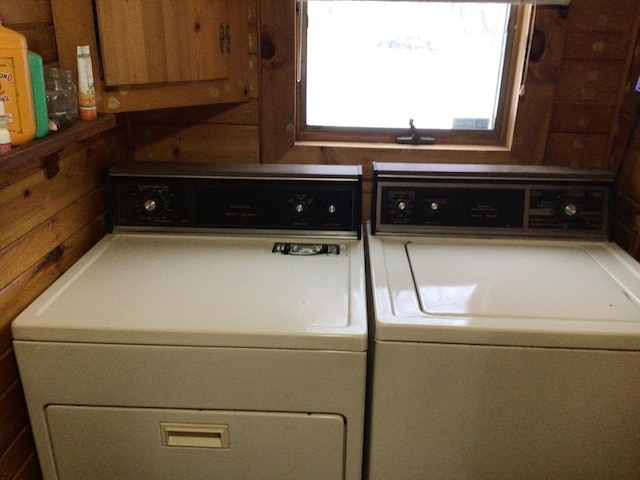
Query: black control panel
[492,200]
[283,200]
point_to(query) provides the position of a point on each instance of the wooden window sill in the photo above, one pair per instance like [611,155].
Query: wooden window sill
[399,146]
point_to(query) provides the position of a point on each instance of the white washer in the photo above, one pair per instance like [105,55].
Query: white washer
[196,354]
[506,332]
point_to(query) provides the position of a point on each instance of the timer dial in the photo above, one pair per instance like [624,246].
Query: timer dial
[153,204]
[401,205]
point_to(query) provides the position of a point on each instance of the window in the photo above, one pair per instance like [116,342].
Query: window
[367,67]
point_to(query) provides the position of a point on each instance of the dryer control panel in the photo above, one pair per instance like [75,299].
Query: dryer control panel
[491,200]
[262,199]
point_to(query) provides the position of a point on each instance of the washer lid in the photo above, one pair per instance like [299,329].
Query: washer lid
[534,293]
[204,291]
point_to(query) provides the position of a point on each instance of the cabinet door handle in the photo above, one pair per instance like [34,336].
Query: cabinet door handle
[221,37]
[224,35]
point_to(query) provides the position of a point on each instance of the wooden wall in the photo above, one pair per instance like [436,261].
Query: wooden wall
[45,226]
[578,109]
[626,157]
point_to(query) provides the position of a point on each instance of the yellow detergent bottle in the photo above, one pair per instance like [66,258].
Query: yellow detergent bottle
[15,87]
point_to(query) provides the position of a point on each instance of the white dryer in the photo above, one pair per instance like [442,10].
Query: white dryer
[506,326]
[218,332]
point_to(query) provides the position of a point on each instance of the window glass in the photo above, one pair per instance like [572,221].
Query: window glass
[375,65]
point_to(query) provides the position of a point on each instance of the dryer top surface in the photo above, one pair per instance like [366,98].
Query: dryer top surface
[160,289]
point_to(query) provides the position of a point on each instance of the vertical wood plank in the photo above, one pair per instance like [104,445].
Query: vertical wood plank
[277,79]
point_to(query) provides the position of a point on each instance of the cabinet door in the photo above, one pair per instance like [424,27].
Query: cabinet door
[163,41]
[158,54]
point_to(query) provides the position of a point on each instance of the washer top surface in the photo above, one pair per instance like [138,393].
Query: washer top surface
[505,292]
[161,289]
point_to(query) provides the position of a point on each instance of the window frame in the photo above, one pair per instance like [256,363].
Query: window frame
[500,137]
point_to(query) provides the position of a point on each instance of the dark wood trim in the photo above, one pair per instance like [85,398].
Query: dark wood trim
[46,152]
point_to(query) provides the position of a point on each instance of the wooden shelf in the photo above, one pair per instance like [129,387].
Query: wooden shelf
[46,151]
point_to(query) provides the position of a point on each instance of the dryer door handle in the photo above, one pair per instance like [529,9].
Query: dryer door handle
[194,435]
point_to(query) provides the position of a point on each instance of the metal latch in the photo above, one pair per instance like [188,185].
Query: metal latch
[414,137]
[306,248]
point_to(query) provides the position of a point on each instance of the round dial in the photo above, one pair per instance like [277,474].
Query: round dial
[153,204]
[401,205]
[300,207]
[569,210]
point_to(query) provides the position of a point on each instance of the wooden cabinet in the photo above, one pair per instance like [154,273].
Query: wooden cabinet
[150,54]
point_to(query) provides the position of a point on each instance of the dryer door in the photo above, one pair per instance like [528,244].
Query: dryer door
[133,443]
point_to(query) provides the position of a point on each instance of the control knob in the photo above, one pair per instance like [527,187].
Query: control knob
[569,210]
[401,205]
[300,207]
[153,204]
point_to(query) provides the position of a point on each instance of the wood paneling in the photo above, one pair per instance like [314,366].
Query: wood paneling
[277,79]
[73,20]
[226,133]
[577,150]
[597,55]
[173,42]
[582,118]
[8,370]
[45,226]
[19,453]
[13,415]
[81,172]
[30,470]
[23,290]
[16,13]
[32,263]
[198,143]
[218,133]
[532,124]
[591,82]
[599,16]
[32,18]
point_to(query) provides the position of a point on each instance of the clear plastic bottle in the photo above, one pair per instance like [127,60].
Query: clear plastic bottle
[62,96]
[5,138]
[15,86]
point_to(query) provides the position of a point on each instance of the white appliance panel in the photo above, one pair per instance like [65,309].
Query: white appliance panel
[188,377]
[465,412]
[214,291]
[99,443]
[513,292]
[483,369]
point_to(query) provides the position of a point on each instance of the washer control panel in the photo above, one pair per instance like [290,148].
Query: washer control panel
[294,199]
[496,201]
